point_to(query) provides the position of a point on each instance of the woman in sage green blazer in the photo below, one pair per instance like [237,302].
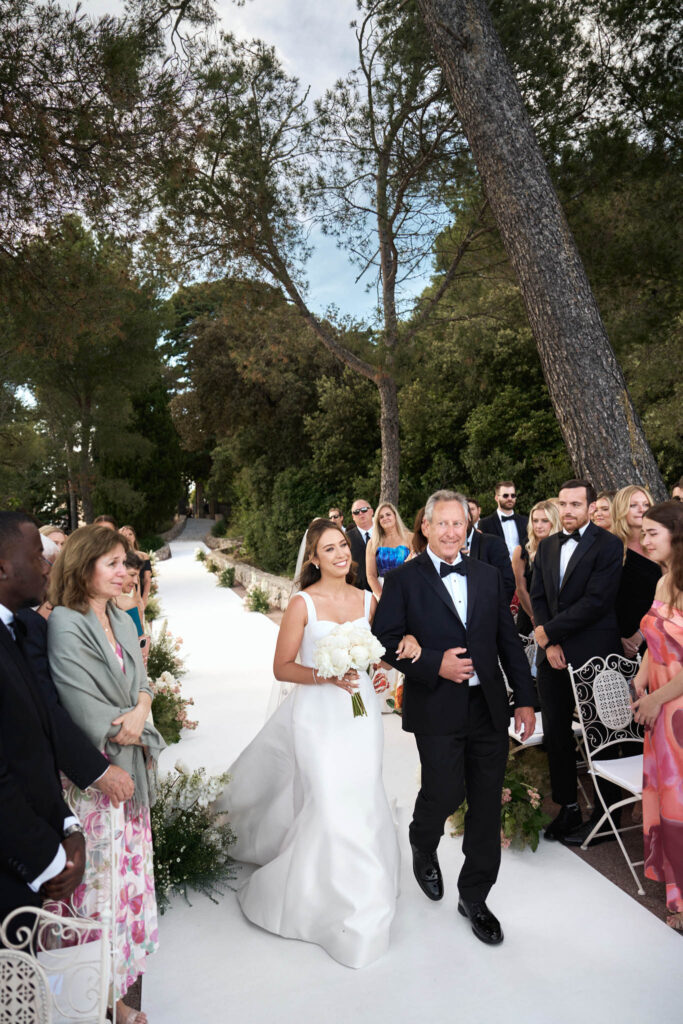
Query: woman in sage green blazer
[98,670]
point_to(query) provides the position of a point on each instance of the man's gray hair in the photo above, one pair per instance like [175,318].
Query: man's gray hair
[446,496]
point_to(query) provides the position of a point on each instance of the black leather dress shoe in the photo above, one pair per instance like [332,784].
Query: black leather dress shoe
[566,821]
[579,835]
[428,873]
[484,925]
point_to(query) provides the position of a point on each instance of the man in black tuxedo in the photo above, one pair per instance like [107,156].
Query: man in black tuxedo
[505,522]
[455,699]
[573,593]
[358,536]
[484,547]
[42,852]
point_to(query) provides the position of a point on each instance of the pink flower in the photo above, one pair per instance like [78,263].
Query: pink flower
[126,951]
[505,842]
[137,931]
[506,795]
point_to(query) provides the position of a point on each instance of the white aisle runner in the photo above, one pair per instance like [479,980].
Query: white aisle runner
[576,947]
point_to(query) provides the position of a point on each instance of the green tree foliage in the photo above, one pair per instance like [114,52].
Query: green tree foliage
[83,330]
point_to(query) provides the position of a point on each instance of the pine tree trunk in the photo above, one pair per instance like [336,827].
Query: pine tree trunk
[388,396]
[601,429]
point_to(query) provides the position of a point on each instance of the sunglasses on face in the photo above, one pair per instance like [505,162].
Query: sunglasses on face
[335,517]
[358,511]
[508,495]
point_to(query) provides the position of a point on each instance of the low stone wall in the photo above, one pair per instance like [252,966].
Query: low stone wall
[162,554]
[176,529]
[278,588]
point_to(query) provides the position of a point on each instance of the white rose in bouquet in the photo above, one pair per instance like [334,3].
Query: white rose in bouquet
[347,646]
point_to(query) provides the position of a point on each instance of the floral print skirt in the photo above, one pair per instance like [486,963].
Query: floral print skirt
[135,909]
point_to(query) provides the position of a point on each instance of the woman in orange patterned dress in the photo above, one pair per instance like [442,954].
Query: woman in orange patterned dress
[659,685]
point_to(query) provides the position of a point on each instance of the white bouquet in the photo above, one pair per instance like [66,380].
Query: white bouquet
[347,646]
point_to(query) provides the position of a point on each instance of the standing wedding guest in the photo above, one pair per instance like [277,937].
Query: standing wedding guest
[475,512]
[573,592]
[388,548]
[677,491]
[455,700]
[306,799]
[659,686]
[41,841]
[145,569]
[54,534]
[97,668]
[336,516]
[602,515]
[544,519]
[505,522]
[640,574]
[485,547]
[419,541]
[358,537]
[107,521]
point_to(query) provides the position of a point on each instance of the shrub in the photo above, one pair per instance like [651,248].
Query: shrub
[153,609]
[191,842]
[227,577]
[256,599]
[200,555]
[164,657]
[219,528]
[151,543]
[169,708]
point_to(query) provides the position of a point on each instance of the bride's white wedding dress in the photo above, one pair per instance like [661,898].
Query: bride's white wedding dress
[307,804]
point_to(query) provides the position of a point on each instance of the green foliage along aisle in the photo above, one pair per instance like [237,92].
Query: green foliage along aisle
[191,842]
[164,669]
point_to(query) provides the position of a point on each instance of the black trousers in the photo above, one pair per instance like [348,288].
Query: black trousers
[467,763]
[557,705]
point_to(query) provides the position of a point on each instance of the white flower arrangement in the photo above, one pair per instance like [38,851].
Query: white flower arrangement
[347,646]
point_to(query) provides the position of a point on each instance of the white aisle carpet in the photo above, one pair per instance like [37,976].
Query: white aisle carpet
[576,948]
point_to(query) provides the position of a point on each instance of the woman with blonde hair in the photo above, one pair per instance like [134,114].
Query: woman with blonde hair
[544,519]
[389,546]
[659,706]
[640,574]
[97,667]
[54,534]
[602,516]
[145,569]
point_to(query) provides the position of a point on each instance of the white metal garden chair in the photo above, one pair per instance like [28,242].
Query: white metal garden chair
[57,969]
[601,689]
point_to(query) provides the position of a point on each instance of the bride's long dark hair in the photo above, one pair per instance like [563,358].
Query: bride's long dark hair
[309,573]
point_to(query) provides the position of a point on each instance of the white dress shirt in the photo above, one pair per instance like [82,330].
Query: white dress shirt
[456,585]
[58,862]
[509,531]
[568,549]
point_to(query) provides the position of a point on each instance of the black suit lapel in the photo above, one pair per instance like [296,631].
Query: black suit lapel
[475,545]
[554,561]
[432,577]
[12,653]
[579,551]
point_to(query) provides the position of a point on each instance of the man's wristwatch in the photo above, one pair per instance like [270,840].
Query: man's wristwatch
[73,830]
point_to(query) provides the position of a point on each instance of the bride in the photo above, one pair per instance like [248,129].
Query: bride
[306,798]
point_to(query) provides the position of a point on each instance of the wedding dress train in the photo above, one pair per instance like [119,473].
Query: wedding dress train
[307,804]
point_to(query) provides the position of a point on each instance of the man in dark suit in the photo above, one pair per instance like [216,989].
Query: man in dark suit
[573,593]
[455,701]
[505,522]
[42,851]
[358,536]
[484,547]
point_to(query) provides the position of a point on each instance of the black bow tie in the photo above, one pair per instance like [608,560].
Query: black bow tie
[507,519]
[460,567]
[564,537]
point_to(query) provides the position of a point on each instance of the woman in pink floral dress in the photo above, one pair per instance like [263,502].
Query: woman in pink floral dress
[97,668]
[659,707]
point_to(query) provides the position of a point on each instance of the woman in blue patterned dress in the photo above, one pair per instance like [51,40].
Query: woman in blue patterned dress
[389,546]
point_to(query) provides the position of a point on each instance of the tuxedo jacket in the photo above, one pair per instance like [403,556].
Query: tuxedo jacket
[415,600]
[580,615]
[77,757]
[358,546]
[492,524]
[484,547]
[32,810]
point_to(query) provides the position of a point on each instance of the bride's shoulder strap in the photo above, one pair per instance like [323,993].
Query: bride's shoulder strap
[368,602]
[309,605]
